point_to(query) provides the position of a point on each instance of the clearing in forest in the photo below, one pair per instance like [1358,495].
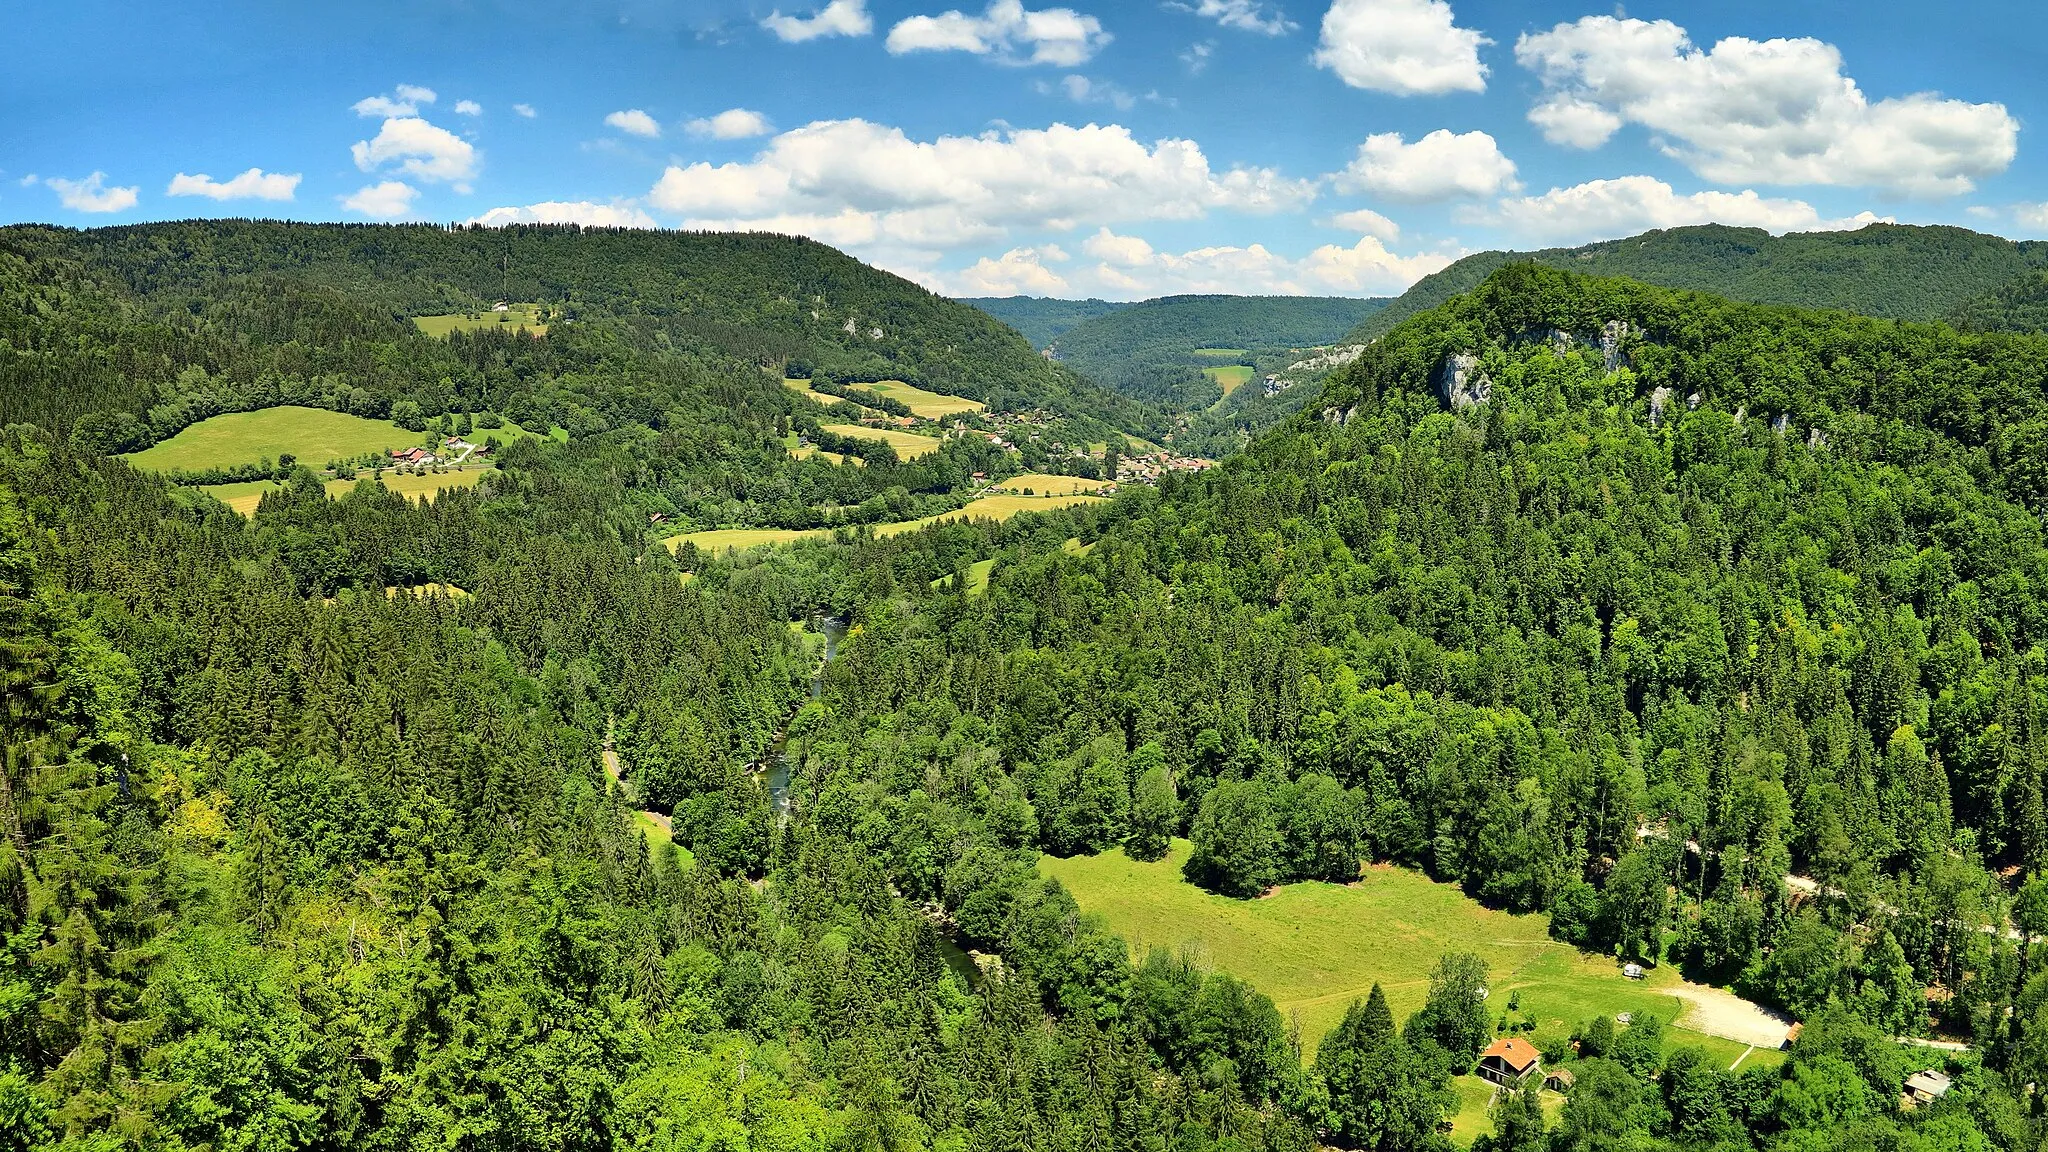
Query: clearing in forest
[1315,947]
[1047,484]
[314,435]
[243,496]
[1230,377]
[531,317]
[719,540]
[908,445]
[1221,353]
[923,404]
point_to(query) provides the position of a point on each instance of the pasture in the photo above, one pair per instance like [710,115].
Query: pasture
[314,435]
[1230,377]
[803,388]
[722,540]
[908,445]
[1002,507]
[244,496]
[922,404]
[531,317]
[1315,947]
[1046,484]
[1222,353]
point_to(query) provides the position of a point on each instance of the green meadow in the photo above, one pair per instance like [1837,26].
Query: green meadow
[1316,947]
[314,435]
[1230,376]
[531,317]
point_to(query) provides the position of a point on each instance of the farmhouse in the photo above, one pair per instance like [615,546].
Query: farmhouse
[1559,1080]
[1508,1062]
[411,456]
[1927,1087]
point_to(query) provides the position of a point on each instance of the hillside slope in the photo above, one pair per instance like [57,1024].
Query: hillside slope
[106,321]
[1041,320]
[1899,271]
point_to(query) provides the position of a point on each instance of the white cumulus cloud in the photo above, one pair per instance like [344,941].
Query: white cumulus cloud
[525,110]
[1081,90]
[468,108]
[405,100]
[1440,166]
[255,184]
[1018,272]
[1406,47]
[386,201]
[731,124]
[1602,209]
[1130,267]
[839,18]
[2031,215]
[634,122]
[92,195]
[1367,222]
[1769,111]
[617,214]
[853,182]
[420,149]
[1247,15]
[1007,31]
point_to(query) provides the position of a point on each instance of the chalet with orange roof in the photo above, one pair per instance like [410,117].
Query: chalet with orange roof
[1509,1061]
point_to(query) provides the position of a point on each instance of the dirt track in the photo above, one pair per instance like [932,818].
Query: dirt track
[1724,1014]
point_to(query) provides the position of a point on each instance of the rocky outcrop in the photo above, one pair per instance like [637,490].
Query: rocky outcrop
[1660,400]
[1459,382]
[1781,424]
[1612,334]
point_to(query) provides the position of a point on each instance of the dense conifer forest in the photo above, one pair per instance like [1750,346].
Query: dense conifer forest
[1719,640]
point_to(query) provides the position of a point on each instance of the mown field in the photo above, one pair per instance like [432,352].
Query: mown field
[1315,947]
[528,316]
[1221,353]
[999,507]
[314,435]
[1046,484]
[1230,377]
[908,445]
[245,495]
[923,404]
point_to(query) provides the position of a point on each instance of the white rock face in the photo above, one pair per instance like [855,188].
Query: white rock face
[1460,383]
[1660,399]
[1611,334]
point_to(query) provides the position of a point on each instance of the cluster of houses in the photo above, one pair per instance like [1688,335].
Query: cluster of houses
[454,450]
[1152,469]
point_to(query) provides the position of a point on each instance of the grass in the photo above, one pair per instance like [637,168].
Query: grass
[527,316]
[1230,376]
[977,577]
[803,388]
[1046,484]
[720,540]
[1475,1097]
[1316,947]
[451,591]
[245,495]
[922,404]
[1002,507]
[314,435]
[908,445]
[1221,353]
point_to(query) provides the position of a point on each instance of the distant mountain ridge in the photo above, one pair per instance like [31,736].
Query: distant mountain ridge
[1897,271]
[1042,319]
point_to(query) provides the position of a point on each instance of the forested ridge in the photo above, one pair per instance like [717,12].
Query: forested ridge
[294,857]
[147,328]
[1902,271]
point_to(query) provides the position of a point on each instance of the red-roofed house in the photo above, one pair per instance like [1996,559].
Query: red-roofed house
[1508,1062]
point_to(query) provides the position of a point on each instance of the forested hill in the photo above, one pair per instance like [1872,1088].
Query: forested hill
[1160,350]
[1041,320]
[112,323]
[1902,271]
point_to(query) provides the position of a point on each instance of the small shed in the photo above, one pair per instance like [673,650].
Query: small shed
[1559,1080]
[1927,1087]
[1509,1061]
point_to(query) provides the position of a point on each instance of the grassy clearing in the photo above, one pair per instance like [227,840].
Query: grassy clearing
[451,591]
[244,496]
[1230,377]
[908,445]
[923,404]
[722,540]
[532,317]
[989,508]
[314,435]
[1221,353]
[1475,1097]
[977,577]
[1046,484]
[803,388]
[1073,546]
[1316,947]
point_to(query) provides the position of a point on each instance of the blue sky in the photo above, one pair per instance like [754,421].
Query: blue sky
[1121,148]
